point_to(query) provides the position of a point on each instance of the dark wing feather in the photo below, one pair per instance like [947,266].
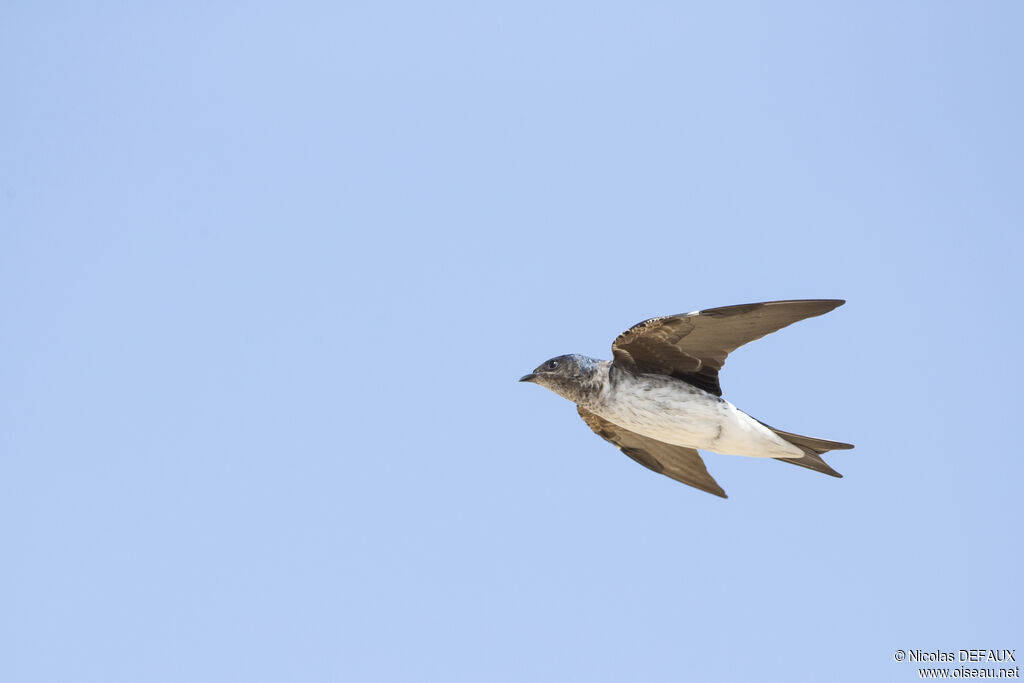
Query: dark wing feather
[693,346]
[676,462]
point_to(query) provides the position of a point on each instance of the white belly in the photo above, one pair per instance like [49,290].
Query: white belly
[675,413]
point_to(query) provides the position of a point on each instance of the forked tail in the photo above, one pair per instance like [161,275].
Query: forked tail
[812,448]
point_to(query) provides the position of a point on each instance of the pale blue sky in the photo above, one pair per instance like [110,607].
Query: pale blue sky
[269,273]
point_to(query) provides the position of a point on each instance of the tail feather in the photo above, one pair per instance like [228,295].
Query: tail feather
[818,446]
[812,448]
[811,461]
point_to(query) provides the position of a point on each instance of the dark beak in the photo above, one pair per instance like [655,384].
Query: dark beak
[528,378]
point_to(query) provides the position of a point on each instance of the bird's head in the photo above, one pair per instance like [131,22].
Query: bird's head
[568,376]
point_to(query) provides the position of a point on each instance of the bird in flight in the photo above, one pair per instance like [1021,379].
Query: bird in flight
[659,399]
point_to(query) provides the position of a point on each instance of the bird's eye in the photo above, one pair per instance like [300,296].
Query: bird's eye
[552,364]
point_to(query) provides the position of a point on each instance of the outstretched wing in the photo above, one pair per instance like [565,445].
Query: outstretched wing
[676,462]
[693,346]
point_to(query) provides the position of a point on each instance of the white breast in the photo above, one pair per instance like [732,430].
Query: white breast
[672,411]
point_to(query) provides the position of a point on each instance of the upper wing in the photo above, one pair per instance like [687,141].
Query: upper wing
[693,346]
[676,462]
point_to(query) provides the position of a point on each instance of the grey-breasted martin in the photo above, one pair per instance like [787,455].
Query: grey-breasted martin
[659,399]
